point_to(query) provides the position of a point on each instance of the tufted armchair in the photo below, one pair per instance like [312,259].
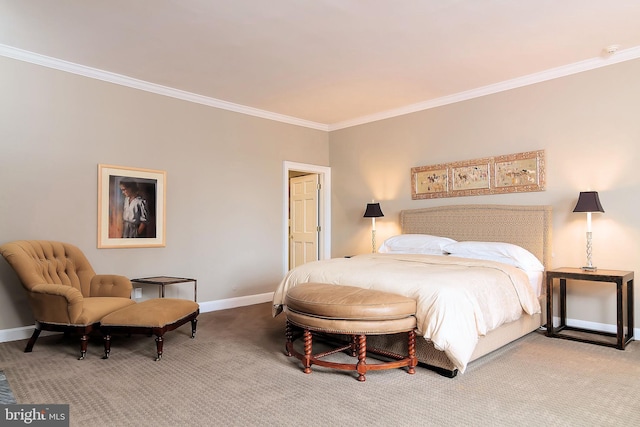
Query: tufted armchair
[64,292]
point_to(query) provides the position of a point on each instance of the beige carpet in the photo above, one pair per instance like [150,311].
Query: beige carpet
[235,373]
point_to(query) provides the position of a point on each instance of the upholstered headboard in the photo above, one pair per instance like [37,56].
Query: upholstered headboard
[526,226]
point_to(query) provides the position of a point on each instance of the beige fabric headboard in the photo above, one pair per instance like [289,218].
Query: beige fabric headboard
[526,226]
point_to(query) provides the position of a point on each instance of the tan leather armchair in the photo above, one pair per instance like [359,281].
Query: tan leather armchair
[64,292]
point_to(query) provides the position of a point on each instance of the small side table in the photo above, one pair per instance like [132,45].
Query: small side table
[624,306]
[168,280]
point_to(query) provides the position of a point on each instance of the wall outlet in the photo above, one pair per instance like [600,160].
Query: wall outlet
[137,293]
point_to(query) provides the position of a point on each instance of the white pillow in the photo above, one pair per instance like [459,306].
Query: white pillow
[496,251]
[415,244]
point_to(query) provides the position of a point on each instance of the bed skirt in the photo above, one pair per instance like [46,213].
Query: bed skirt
[438,361]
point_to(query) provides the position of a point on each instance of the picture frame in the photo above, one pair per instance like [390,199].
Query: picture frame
[520,172]
[131,207]
[429,181]
[471,177]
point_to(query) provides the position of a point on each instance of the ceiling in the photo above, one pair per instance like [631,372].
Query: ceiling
[321,63]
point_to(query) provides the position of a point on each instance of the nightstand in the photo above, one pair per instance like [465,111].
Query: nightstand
[624,306]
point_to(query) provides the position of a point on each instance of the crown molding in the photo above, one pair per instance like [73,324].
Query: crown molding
[119,79]
[554,73]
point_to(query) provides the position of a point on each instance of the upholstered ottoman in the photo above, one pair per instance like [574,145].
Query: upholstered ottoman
[154,316]
[352,311]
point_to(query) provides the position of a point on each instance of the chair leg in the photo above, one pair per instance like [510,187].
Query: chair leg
[32,340]
[107,345]
[84,340]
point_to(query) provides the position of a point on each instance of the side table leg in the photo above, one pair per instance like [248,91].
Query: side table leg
[549,306]
[630,309]
[563,303]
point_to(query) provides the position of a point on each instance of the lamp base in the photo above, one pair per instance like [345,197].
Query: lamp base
[589,268]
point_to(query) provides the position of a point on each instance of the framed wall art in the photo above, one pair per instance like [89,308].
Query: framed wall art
[131,207]
[430,181]
[470,177]
[511,173]
[519,172]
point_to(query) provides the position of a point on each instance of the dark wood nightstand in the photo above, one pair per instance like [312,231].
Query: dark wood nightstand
[624,306]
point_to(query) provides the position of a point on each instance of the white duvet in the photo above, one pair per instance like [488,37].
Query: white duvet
[458,299]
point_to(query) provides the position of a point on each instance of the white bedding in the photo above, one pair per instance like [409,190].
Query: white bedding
[458,298]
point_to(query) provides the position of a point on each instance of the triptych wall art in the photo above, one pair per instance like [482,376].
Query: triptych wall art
[512,173]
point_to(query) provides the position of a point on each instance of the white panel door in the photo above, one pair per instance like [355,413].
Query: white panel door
[303,219]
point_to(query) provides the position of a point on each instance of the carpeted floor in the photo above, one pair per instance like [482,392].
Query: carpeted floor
[235,373]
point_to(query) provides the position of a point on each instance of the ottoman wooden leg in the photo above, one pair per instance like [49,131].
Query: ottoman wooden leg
[361,367]
[413,360]
[354,345]
[194,324]
[159,342]
[307,351]
[288,332]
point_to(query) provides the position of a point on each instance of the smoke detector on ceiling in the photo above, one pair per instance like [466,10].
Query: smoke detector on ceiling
[611,49]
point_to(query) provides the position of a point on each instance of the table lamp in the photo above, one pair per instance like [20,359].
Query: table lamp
[588,202]
[373,211]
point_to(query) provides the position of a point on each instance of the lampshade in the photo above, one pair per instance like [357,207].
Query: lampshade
[373,211]
[588,201]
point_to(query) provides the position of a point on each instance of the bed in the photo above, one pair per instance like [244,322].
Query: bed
[528,227]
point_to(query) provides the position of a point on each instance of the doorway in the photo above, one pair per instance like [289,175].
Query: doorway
[292,169]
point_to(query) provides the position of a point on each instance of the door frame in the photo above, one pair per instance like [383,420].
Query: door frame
[324,214]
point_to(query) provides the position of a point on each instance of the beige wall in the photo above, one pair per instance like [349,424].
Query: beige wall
[589,127]
[224,180]
[224,174]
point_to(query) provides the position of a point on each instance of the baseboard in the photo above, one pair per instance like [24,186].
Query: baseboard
[594,326]
[24,332]
[21,333]
[235,302]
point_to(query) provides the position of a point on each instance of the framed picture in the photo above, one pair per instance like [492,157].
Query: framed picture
[131,207]
[429,181]
[470,177]
[511,173]
[519,172]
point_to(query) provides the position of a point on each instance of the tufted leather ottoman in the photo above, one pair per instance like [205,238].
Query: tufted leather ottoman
[356,312]
[154,316]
